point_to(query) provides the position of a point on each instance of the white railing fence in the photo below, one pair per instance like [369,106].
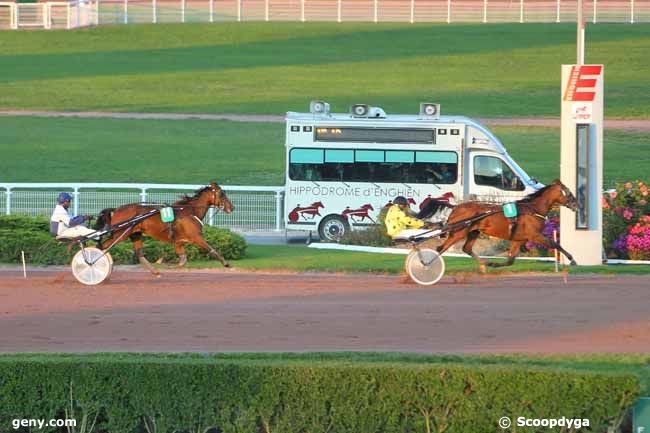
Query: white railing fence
[256,207]
[82,13]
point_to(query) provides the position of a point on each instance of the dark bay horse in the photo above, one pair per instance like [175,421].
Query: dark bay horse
[186,228]
[532,211]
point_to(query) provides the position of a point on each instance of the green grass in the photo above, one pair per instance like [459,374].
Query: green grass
[638,364]
[304,259]
[484,70]
[233,153]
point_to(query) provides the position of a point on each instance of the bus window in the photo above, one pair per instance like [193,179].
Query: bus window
[492,171]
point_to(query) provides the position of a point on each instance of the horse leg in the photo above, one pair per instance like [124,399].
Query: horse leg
[201,243]
[467,248]
[514,250]
[452,238]
[543,240]
[180,252]
[136,238]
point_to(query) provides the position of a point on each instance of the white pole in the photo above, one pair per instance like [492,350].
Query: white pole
[580,36]
[412,11]
[8,202]
[46,20]
[485,11]
[631,11]
[75,207]
[266,10]
[154,11]
[375,11]
[239,10]
[97,13]
[278,210]
[555,254]
[557,19]
[448,11]
[13,9]
[126,11]
[595,10]
[182,11]
[338,19]
[67,24]
[211,11]
[22,255]
[78,13]
[302,10]
[521,11]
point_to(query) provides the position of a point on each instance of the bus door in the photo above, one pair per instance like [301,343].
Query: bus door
[492,179]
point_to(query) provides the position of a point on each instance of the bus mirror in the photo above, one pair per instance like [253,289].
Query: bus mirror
[360,110]
[319,107]
[428,109]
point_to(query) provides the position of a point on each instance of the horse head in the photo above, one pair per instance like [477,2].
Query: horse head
[563,195]
[219,198]
[317,205]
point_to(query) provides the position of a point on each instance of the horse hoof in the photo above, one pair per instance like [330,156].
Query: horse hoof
[226,265]
[483,269]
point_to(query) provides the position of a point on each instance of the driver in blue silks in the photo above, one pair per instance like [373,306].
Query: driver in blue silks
[62,225]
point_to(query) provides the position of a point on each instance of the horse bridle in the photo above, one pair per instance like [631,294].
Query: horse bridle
[218,196]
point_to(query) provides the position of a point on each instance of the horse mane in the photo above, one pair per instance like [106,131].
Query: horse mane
[533,195]
[186,199]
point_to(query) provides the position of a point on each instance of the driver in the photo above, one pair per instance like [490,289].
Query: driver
[400,224]
[62,225]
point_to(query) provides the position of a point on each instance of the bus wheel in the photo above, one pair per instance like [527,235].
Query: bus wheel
[332,228]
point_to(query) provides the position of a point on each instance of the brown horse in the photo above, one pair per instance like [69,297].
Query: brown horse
[186,228]
[532,211]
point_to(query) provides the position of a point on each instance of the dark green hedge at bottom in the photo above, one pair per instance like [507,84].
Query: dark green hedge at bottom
[199,395]
[31,235]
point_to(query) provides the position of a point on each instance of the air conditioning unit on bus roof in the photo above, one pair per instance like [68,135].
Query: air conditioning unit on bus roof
[319,107]
[429,110]
[364,110]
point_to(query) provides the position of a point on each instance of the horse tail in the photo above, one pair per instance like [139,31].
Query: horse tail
[104,218]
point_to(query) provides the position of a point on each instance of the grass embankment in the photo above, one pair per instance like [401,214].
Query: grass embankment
[304,259]
[479,70]
[233,153]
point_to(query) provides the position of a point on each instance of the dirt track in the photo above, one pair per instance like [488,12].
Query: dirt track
[237,311]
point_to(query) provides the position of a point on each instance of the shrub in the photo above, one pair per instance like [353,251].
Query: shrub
[623,209]
[196,394]
[31,235]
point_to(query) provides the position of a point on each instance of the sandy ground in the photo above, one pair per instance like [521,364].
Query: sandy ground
[634,125]
[210,311]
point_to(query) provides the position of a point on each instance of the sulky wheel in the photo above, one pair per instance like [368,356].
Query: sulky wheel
[90,266]
[425,266]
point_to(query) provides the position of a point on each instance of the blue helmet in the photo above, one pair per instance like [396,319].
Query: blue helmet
[63,197]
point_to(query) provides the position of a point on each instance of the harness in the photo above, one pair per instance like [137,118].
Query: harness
[511,212]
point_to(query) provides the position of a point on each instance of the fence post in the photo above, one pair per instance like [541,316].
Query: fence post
[521,11]
[595,10]
[485,11]
[338,18]
[13,10]
[8,202]
[631,11]
[126,11]
[266,10]
[67,24]
[239,10]
[278,210]
[412,11]
[448,11]
[143,195]
[78,14]
[302,11]
[557,19]
[375,11]
[182,11]
[97,13]
[47,9]
[154,11]
[75,207]
[211,11]
[211,216]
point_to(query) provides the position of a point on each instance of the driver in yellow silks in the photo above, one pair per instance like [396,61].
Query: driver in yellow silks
[399,224]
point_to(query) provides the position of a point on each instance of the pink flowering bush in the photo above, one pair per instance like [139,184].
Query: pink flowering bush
[626,221]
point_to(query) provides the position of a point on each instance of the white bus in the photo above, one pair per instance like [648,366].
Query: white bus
[342,169]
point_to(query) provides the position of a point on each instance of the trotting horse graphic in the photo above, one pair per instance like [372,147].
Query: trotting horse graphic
[311,210]
[362,212]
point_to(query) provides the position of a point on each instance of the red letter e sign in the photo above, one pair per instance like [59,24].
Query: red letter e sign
[580,88]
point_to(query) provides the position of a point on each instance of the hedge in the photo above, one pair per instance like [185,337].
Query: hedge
[139,394]
[31,235]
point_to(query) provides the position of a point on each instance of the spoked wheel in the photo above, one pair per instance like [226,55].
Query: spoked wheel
[425,266]
[90,266]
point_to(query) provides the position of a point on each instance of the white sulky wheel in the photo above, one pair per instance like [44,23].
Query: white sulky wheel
[425,266]
[90,266]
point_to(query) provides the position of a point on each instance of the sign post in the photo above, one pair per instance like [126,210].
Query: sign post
[582,161]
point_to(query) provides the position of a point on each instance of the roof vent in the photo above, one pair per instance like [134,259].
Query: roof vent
[319,107]
[430,110]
